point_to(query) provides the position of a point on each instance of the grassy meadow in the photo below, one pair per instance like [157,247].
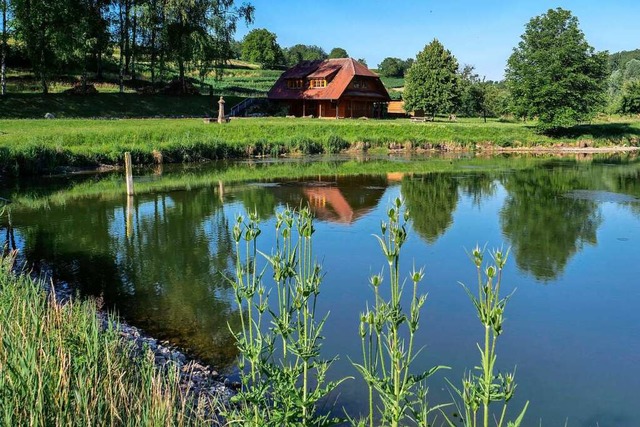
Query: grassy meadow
[31,147]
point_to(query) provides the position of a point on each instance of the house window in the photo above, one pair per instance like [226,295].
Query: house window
[316,83]
[295,84]
[360,84]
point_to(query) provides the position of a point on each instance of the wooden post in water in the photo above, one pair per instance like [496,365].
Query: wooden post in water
[129,217]
[221,191]
[129,173]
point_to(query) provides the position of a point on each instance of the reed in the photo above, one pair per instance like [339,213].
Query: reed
[59,366]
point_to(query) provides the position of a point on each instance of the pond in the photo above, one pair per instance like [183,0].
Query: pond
[572,226]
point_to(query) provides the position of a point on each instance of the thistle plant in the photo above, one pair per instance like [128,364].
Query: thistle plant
[484,387]
[387,353]
[283,374]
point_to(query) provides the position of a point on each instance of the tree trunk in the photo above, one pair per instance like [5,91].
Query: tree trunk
[127,47]
[3,73]
[154,7]
[133,41]
[121,58]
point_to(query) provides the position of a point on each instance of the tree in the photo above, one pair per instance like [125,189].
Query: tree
[362,61]
[555,74]
[630,103]
[201,27]
[302,52]
[338,52]
[260,46]
[432,82]
[391,67]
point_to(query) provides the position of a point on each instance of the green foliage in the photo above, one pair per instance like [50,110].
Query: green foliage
[387,355]
[482,389]
[618,60]
[302,52]
[283,374]
[432,82]
[394,67]
[338,52]
[391,67]
[630,103]
[261,47]
[554,74]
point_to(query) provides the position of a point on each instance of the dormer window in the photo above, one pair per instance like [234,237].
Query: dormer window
[316,83]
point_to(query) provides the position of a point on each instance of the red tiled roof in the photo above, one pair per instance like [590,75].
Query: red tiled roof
[345,69]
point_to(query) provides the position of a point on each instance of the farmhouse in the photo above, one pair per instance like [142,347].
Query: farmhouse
[331,88]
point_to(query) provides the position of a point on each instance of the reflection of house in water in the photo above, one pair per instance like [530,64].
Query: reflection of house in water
[335,199]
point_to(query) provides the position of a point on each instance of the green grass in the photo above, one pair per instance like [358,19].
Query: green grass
[59,367]
[393,82]
[40,146]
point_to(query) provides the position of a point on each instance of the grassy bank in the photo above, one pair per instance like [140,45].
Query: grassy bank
[39,146]
[58,367]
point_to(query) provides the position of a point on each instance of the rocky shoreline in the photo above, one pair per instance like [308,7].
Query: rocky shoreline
[205,387]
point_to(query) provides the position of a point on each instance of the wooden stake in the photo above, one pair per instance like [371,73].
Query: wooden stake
[129,173]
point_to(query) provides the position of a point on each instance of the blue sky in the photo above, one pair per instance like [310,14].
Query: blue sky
[480,33]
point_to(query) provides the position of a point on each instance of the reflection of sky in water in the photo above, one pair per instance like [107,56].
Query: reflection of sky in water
[571,333]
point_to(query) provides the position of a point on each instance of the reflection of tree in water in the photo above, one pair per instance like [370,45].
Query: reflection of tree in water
[431,199]
[166,277]
[546,228]
[260,200]
[477,186]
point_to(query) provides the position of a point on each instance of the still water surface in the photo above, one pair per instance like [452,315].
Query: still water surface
[572,328]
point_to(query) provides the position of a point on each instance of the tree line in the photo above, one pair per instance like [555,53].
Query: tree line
[52,36]
[553,75]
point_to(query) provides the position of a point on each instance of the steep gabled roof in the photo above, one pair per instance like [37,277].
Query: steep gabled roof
[343,71]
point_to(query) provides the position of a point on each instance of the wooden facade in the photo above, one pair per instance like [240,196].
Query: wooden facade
[333,88]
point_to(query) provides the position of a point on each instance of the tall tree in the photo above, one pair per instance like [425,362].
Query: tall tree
[260,46]
[189,22]
[48,31]
[432,83]
[555,74]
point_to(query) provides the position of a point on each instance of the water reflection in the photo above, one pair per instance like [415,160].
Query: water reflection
[431,200]
[545,228]
[160,259]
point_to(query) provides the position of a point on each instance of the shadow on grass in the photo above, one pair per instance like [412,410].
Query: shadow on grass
[610,131]
[109,105]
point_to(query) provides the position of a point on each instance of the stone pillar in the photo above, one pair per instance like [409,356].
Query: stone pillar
[221,110]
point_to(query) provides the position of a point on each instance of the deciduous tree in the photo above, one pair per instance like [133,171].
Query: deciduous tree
[432,82]
[260,46]
[302,52]
[338,52]
[555,74]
